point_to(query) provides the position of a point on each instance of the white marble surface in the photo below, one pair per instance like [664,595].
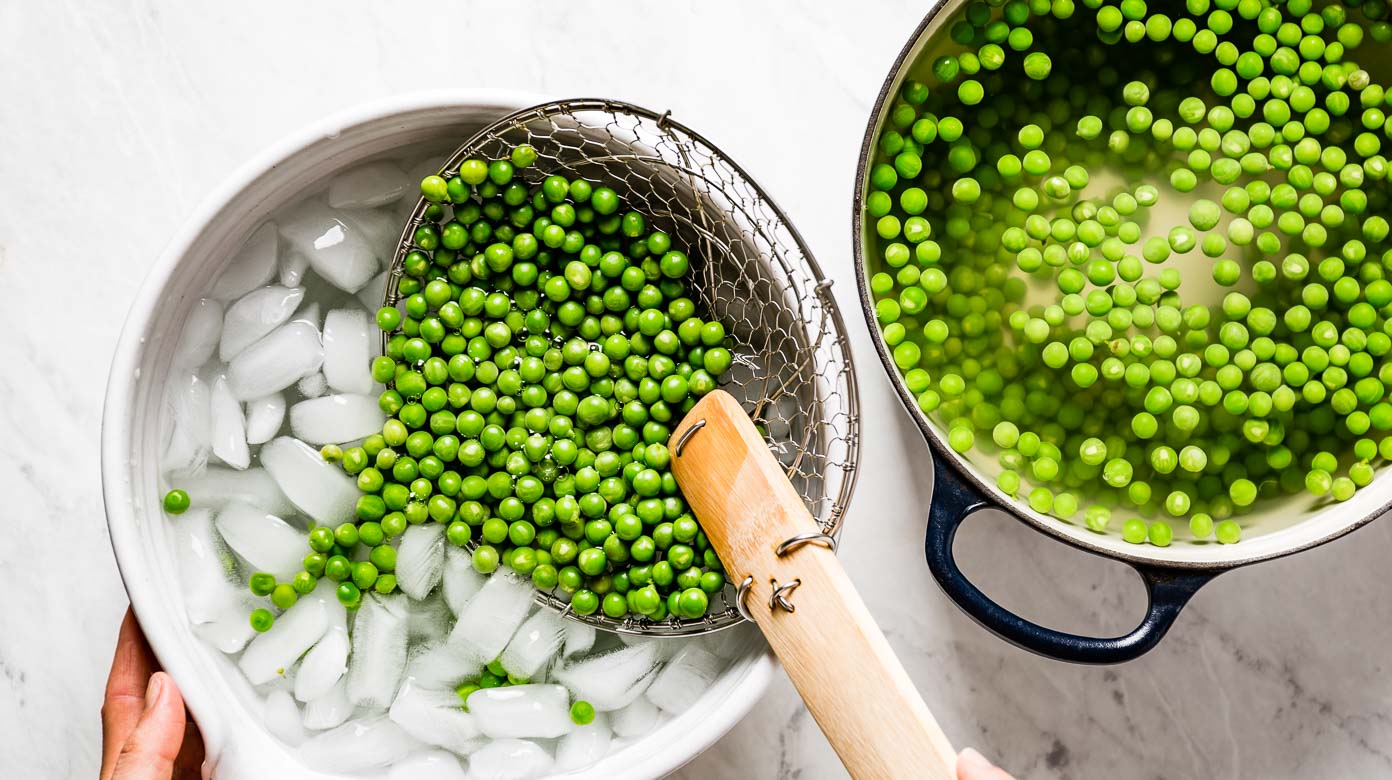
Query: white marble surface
[119,116]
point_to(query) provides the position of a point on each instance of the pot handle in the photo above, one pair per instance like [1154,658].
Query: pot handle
[1168,589]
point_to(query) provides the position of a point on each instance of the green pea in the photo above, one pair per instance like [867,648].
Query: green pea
[176,502]
[262,619]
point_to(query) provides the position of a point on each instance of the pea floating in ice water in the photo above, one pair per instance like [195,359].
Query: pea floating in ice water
[1137,255]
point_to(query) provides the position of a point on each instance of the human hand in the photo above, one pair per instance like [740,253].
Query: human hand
[146,733]
[971,765]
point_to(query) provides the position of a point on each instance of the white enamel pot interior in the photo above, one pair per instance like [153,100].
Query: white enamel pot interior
[966,483]
[223,703]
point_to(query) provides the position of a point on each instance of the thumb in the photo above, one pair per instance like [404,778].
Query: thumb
[971,765]
[149,752]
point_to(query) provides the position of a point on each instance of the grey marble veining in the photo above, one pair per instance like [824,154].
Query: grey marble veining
[119,117]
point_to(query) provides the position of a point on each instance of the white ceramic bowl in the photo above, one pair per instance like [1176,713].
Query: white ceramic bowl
[223,703]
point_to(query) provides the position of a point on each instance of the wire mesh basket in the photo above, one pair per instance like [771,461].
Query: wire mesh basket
[792,368]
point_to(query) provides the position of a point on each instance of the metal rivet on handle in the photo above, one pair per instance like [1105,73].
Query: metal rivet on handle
[778,599]
[687,434]
[740,594]
[794,542]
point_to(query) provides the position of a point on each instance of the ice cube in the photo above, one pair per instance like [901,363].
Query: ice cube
[379,651]
[329,710]
[224,624]
[266,542]
[271,654]
[264,417]
[435,717]
[733,642]
[203,566]
[277,361]
[429,620]
[358,746]
[443,665]
[406,206]
[611,680]
[532,710]
[293,267]
[324,665]
[326,590]
[190,434]
[542,675]
[666,647]
[252,266]
[421,167]
[335,419]
[254,315]
[230,630]
[428,765]
[218,486]
[420,558]
[684,679]
[579,638]
[228,426]
[535,643]
[585,745]
[636,719]
[348,351]
[320,489]
[309,312]
[313,386]
[368,186]
[200,335]
[494,614]
[374,292]
[605,642]
[379,227]
[509,759]
[282,717]
[461,579]
[337,250]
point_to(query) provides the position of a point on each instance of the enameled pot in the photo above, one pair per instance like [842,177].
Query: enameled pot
[1171,574]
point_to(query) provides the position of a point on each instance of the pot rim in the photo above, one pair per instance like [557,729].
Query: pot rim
[118,492]
[937,443]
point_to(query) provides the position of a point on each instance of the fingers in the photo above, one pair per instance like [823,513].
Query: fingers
[189,764]
[124,703]
[150,751]
[971,765]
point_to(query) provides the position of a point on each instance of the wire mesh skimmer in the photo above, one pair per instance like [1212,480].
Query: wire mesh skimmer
[792,367]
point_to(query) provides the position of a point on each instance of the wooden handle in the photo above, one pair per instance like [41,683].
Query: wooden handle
[838,659]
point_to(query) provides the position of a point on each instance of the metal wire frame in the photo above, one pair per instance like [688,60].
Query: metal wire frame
[792,371]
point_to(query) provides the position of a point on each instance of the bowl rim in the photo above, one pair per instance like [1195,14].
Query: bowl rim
[1143,555]
[117,432]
